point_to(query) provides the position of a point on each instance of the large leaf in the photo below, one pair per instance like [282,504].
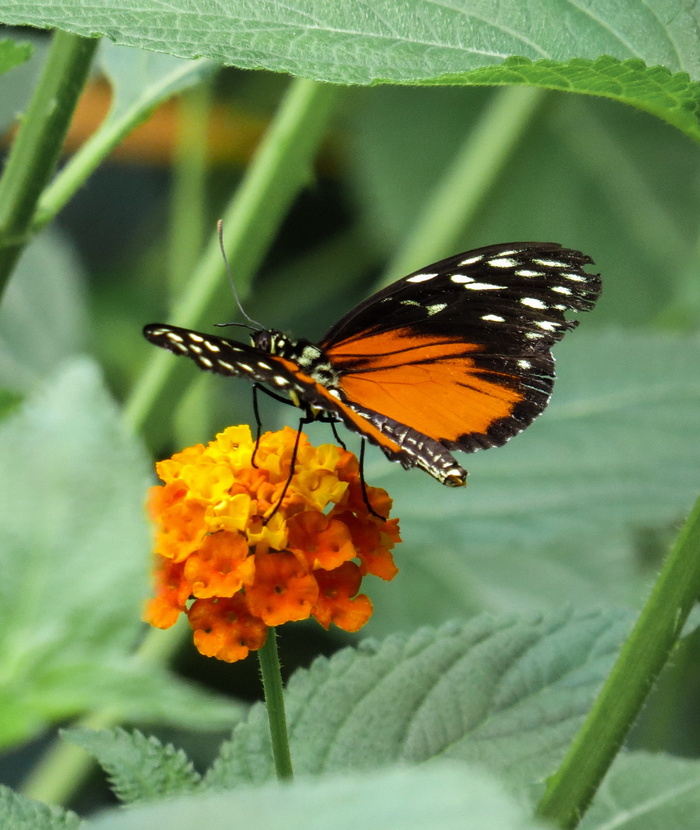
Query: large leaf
[43,317]
[563,512]
[507,693]
[350,42]
[423,41]
[647,792]
[450,796]
[75,548]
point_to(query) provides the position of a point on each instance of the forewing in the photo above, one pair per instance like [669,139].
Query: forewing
[460,351]
[234,359]
[525,287]
[223,356]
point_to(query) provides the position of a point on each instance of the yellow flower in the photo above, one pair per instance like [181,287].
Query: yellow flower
[236,561]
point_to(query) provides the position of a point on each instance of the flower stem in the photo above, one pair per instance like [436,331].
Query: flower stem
[35,150]
[656,632]
[274,700]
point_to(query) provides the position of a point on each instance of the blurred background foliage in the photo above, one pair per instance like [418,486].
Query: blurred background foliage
[588,173]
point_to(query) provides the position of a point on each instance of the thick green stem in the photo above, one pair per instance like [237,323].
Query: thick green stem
[456,198]
[274,701]
[280,168]
[572,787]
[35,150]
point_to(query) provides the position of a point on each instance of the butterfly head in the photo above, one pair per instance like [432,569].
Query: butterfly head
[271,342]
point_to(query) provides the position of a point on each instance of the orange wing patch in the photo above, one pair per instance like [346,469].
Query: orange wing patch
[430,384]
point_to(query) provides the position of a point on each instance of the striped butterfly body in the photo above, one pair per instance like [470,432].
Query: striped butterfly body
[455,356]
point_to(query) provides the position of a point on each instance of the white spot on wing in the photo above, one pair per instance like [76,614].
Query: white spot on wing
[501,262]
[472,259]
[547,325]
[171,336]
[436,308]
[551,263]
[532,302]
[421,277]
[206,362]
[525,364]
[527,272]
[225,365]
[211,346]
[562,289]
[483,286]
[196,337]
[493,318]
[575,277]
[460,278]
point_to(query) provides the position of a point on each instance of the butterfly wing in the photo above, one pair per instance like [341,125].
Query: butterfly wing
[457,355]
[234,359]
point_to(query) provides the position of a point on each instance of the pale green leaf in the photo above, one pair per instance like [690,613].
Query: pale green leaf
[139,768]
[43,317]
[352,42]
[647,792]
[449,796]
[75,548]
[17,812]
[507,693]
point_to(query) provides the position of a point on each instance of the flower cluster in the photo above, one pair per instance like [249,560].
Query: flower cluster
[236,565]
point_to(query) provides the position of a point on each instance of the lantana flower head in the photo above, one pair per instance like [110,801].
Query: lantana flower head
[236,566]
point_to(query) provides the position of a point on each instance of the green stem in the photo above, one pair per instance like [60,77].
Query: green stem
[281,167]
[274,701]
[112,131]
[572,787]
[35,151]
[188,201]
[462,189]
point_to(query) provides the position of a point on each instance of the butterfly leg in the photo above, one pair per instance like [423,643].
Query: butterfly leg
[365,495]
[336,436]
[306,419]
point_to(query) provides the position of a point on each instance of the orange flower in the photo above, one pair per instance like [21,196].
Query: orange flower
[236,561]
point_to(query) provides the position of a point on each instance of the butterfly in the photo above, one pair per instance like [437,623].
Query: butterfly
[455,356]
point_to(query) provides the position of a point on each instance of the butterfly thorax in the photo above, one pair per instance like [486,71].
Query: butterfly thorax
[305,354]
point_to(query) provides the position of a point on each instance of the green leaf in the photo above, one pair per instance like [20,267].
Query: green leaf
[647,792]
[506,693]
[17,812]
[143,80]
[351,43]
[43,317]
[564,511]
[139,768]
[13,54]
[75,548]
[671,97]
[448,796]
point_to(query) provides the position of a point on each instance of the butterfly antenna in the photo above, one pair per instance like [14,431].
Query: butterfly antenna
[220,232]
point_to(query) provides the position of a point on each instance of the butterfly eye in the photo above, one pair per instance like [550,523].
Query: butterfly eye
[263,340]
